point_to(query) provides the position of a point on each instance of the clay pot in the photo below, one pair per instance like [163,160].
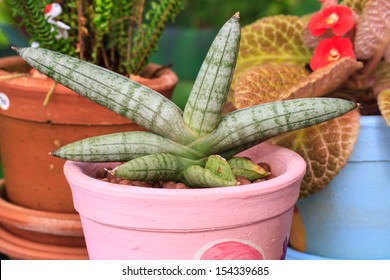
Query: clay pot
[242,222]
[29,131]
[349,219]
[33,234]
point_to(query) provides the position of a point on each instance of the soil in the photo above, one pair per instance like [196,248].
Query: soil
[105,176]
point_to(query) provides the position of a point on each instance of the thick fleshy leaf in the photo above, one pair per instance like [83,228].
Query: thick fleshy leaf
[267,83]
[325,147]
[382,77]
[272,39]
[373,29]
[273,82]
[384,104]
[356,5]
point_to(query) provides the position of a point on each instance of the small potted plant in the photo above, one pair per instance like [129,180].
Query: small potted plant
[340,51]
[37,114]
[193,153]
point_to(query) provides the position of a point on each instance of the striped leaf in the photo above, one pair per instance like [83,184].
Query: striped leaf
[204,107]
[122,147]
[156,167]
[130,99]
[255,124]
[196,176]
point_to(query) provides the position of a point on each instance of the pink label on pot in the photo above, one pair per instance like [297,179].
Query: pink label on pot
[4,101]
[231,250]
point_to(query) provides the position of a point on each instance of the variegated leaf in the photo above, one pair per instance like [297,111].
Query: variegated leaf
[325,147]
[373,29]
[272,39]
[267,83]
[384,104]
[204,107]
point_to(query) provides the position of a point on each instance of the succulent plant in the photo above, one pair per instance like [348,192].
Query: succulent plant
[352,39]
[190,146]
[119,35]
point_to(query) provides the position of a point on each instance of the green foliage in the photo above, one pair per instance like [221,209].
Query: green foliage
[117,34]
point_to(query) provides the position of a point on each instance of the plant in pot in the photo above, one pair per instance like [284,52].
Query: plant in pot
[188,160]
[340,51]
[119,35]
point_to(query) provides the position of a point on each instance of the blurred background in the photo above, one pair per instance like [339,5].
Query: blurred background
[184,43]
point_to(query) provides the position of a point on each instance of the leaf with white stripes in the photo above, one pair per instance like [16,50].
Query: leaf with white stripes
[255,124]
[204,107]
[122,147]
[157,167]
[130,99]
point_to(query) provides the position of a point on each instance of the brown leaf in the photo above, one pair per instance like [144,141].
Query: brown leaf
[387,54]
[382,77]
[325,147]
[273,82]
[276,39]
[356,5]
[325,79]
[373,29]
[384,104]
[267,83]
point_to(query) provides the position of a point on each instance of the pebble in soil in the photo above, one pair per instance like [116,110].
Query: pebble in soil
[103,175]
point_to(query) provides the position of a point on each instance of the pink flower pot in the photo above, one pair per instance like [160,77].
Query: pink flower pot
[242,222]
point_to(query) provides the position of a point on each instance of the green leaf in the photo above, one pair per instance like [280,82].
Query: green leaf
[122,147]
[205,104]
[255,124]
[196,176]
[246,168]
[274,39]
[220,167]
[384,104]
[156,167]
[325,147]
[117,93]
[373,29]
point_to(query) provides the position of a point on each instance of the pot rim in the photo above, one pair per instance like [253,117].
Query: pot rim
[38,220]
[295,165]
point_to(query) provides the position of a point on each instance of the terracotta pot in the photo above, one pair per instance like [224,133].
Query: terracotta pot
[35,181]
[29,131]
[33,234]
[126,222]
[350,218]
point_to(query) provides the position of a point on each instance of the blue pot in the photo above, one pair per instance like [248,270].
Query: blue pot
[350,218]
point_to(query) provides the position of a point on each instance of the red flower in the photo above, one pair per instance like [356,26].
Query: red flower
[339,18]
[330,50]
